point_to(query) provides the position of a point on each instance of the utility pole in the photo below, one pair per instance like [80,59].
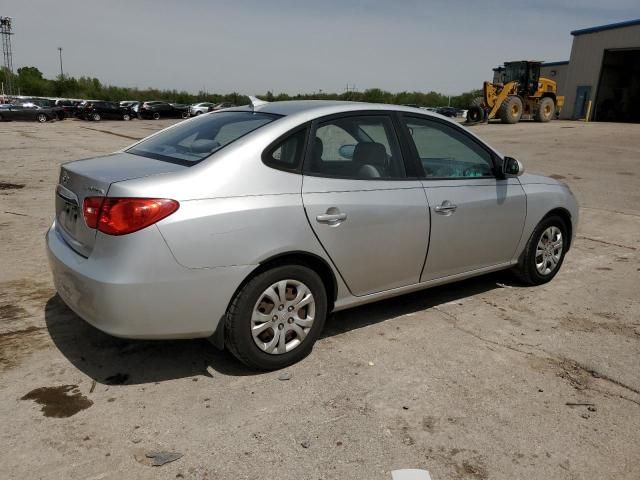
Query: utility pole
[7,54]
[61,71]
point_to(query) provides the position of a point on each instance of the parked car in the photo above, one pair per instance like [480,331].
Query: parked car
[251,225]
[97,111]
[200,108]
[134,105]
[157,110]
[68,107]
[448,111]
[57,111]
[221,106]
[29,112]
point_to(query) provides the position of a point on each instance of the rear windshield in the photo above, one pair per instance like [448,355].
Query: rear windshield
[196,139]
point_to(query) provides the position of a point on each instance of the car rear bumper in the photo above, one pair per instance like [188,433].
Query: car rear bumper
[142,294]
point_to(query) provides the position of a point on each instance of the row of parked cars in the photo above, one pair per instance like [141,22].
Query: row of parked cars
[43,110]
[451,112]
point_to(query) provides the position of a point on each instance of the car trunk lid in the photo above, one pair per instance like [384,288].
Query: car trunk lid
[92,178]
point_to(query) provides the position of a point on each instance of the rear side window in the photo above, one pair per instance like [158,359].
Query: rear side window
[287,154]
[193,141]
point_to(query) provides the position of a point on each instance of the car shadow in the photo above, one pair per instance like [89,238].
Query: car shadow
[115,361]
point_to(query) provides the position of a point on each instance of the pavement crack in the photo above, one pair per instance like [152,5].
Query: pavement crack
[566,365]
[605,242]
[452,320]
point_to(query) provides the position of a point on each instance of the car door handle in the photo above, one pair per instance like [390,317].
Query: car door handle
[445,208]
[331,218]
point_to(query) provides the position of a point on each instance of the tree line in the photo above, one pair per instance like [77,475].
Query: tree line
[31,82]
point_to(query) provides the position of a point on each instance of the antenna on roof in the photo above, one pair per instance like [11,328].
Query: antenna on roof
[256,102]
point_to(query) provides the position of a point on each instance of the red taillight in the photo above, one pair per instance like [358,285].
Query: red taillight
[91,210]
[120,216]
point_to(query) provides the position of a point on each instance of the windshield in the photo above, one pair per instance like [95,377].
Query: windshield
[195,140]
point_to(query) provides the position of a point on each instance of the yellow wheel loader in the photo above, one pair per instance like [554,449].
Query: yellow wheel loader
[517,91]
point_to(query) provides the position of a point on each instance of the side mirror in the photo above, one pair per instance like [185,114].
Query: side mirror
[511,166]
[346,151]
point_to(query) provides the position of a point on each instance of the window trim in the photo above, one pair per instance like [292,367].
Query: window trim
[266,153]
[416,156]
[389,114]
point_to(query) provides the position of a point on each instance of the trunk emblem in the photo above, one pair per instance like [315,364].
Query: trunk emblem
[91,188]
[65,178]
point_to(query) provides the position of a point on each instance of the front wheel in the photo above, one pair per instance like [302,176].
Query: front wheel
[185,115]
[126,117]
[156,116]
[42,118]
[511,109]
[544,252]
[96,117]
[275,319]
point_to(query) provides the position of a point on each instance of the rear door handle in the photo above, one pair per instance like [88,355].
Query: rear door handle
[331,218]
[445,208]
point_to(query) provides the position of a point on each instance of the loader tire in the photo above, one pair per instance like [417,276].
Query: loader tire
[511,109]
[545,111]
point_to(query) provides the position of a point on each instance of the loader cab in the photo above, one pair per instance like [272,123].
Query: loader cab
[526,73]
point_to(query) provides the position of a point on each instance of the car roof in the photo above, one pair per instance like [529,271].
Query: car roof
[315,108]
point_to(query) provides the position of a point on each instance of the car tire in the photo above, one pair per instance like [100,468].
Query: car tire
[511,109]
[251,303]
[156,116]
[42,118]
[536,253]
[126,117]
[545,111]
[198,112]
[96,117]
[185,115]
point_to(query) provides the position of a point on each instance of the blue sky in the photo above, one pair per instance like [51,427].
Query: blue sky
[297,46]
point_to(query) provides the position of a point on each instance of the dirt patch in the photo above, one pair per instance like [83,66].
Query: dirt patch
[10,312]
[630,174]
[59,402]
[17,344]
[556,176]
[469,469]
[11,186]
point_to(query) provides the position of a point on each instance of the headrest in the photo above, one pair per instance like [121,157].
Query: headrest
[370,153]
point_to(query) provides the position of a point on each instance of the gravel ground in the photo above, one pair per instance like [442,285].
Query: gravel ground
[483,379]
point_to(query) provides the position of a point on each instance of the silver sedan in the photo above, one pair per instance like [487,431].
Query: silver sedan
[250,225]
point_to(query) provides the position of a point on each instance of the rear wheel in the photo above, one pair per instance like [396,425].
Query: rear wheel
[185,115]
[126,117]
[42,118]
[477,102]
[511,109]
[544,252]
[545,111]
[276,317]
[156,116]
[96,117]
[198,112]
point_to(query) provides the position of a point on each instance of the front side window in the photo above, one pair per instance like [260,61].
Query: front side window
[195,140]
[447,153]
[356,147]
